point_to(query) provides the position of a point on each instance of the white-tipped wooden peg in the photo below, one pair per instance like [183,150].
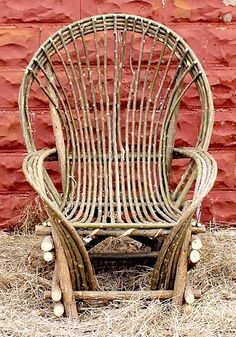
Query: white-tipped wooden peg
[56,294]
[47,243]
[194,256]
[58,309]
[48,256]
[196,243]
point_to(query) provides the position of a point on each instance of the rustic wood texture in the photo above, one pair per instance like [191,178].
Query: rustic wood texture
[122,295]
[56,289]
[42,231]
[115,142]
[64,278]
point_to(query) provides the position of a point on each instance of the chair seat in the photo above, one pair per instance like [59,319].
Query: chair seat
[145,209]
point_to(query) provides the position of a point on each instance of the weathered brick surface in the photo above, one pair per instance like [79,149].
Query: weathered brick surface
[146,8]
[211,11]
[208,26]
[17,45]
[12,11]
[187,129]
[220,207]
[10,80]
[198,11]
[43,130]
[224,131]
[11,139]
[225,161]
[195,36]
[175,11]
[220,45]
[12,178]
[223,84]
[47,30]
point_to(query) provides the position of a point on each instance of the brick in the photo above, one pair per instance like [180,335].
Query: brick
[224,131]
[198,11]
[221,44]
[225,176]
[12,11]
[12,207]
[17,45]
[12,177]
[194,36]
[10,81]
[48,30]
[177,10]
[148,9]
[191,98]
[211,11]
[43,131]
[223,84]
[187,129]
[11,138]
[220,207]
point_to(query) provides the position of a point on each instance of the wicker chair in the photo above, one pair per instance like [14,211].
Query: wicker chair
[114,87]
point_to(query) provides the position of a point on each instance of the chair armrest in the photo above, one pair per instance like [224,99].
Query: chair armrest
[205,174]
[39,179]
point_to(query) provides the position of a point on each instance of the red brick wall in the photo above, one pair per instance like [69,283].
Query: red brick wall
[209,26]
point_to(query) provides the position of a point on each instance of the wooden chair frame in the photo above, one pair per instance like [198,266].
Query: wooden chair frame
[114,183]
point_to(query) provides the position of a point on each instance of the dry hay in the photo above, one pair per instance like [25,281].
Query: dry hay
[24,276]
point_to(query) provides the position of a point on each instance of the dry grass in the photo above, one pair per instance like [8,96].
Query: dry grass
[24,277]
[31,215]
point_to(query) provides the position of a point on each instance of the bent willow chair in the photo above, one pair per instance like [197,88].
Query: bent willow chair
[115,90]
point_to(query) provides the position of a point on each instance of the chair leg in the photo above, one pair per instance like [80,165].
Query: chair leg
[72,266]
[181,271]
[170,270]
[64,277]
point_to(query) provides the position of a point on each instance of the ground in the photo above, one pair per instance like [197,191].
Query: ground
[24,277]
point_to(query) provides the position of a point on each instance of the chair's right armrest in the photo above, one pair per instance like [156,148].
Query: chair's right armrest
[38,178]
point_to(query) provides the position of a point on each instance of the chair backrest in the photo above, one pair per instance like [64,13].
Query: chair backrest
[114,86]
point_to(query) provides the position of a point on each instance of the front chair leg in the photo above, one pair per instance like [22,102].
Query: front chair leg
[170,270]
[64,277]
[181,271]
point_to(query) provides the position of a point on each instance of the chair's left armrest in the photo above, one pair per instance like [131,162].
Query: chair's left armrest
[205,173]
